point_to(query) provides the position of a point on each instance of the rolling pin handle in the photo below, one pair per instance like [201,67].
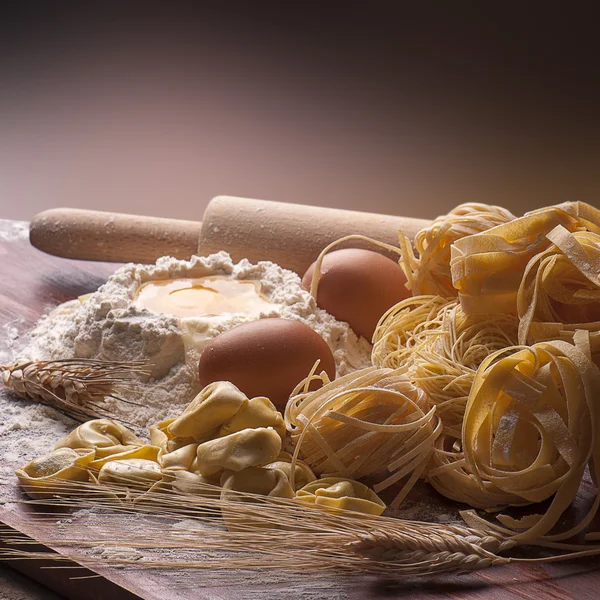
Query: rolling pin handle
[112,237]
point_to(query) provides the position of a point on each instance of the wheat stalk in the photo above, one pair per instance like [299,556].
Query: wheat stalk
[274,533]
[278,534]
[76,387]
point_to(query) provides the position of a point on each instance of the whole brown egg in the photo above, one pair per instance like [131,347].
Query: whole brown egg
[358,286]
[267,357]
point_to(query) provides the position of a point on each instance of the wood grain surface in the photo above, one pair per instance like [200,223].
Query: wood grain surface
[30,281]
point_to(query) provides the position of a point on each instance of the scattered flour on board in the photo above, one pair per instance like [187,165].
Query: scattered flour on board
[14,230]
[115,553]
[27,429]
[111,325]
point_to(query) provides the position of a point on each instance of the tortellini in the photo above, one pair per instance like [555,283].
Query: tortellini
[208,411]
[237,451]
[302,473]
[220,430]
[175,453]
[145,452]
[257,480]
[47,475]
[219,411]
[183,458]
[338,493]
[104,435]
[132,472]
[161,437]
[191,483]
[254,480]
[257,412]
[136,469]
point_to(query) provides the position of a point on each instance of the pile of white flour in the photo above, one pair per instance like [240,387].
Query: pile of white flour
[111,325]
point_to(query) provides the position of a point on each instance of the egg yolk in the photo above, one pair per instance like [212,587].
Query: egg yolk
[203,297]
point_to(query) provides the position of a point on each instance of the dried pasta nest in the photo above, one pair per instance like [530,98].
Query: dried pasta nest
[487,268]
[404,328]
[529,431]
[442,347]
[449,473]
[373,422]
[429,274]
[560,290]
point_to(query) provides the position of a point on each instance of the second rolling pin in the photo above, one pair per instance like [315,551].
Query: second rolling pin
[291,235]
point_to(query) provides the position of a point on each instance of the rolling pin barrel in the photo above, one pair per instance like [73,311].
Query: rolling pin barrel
[112,237]
[291,235]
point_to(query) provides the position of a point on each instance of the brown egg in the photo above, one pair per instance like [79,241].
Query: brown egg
[267,357]
[358,286]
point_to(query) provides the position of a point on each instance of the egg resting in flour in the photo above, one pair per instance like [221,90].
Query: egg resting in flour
[358,286]
[268,357]
[112,324]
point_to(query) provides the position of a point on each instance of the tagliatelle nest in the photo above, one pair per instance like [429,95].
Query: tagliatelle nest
[429,273]
[404,328]
[442,348]
[449,473]
[373,422]
[560,290]
[487,268]
[530,430]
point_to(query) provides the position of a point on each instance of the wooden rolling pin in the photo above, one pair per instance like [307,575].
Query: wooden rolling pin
[291,235]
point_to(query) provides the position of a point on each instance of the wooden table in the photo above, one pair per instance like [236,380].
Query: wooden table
[31,281]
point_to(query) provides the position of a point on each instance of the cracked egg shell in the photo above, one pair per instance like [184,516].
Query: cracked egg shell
[268,357]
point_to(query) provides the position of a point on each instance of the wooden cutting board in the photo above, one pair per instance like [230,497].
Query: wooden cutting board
[29,282]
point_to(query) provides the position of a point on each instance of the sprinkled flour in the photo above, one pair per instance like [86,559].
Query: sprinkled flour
[16,230]
[111,325]
[27,429]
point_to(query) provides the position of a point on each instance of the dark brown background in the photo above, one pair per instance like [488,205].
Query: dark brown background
[156,107]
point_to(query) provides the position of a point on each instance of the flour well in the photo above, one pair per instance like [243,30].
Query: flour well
[111,325]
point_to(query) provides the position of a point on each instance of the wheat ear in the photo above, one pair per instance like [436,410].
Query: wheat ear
[433,551]
[76,387]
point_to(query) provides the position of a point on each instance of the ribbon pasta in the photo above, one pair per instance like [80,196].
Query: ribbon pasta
[442,347]
[372,422]
[560,290]
[487,268]
[429,274]
[530,430]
